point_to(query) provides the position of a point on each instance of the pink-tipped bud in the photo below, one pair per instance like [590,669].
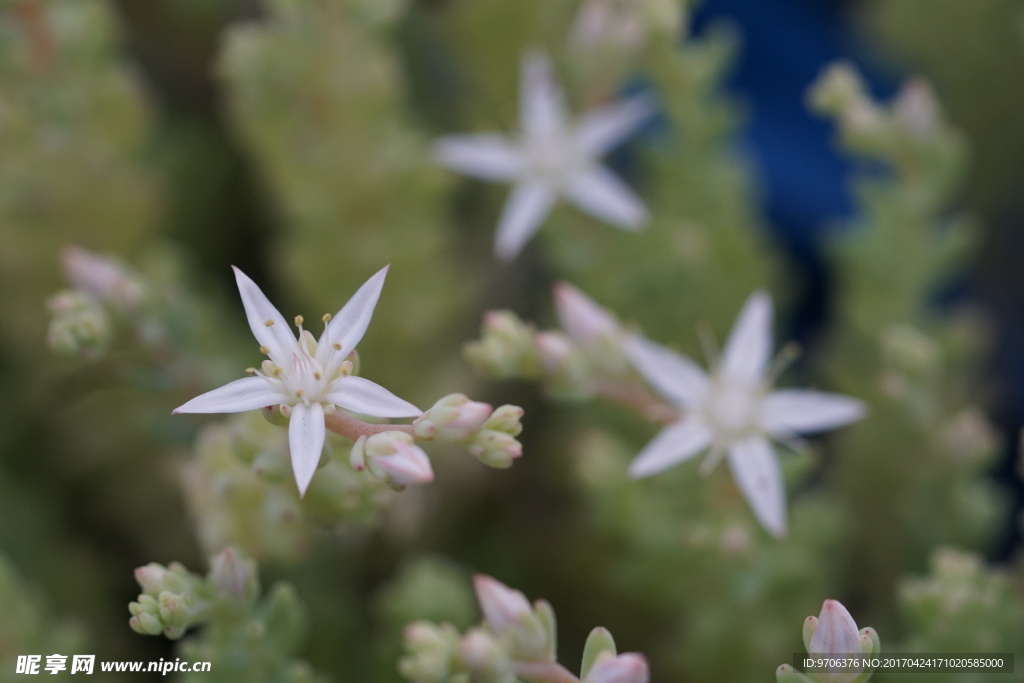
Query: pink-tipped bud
[394,458]
[151,578]
[630,667]
[835,635]
[234,576]
[504,608]
[555,350]
[453,419]
[101,277]
[581,318]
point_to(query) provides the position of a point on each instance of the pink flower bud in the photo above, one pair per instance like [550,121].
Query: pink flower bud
[580,317]
[503,607]
[630,667]
[393,457]
[835,635]
[233,576]
[101,277]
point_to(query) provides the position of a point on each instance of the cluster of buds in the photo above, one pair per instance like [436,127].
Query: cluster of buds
[506,349]
[582,359]
[913,117]
[174,599]
[239,490]
[611,24]
[169,603]
[489,434]
[515,641]
[833,636]
[81,324]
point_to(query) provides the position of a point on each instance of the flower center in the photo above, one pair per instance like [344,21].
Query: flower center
[555,159]
[314,367]
[733,411]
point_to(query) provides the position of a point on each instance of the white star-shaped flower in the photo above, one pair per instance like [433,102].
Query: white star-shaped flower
[308,378]
[733,411]
[551,157]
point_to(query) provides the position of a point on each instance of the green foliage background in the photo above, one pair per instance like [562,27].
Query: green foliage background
[292,138]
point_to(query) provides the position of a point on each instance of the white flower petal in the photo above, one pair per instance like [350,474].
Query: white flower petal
[368,398]
[267,324]
[672,374]
[600,193]
[542,109]
[488,156]
[248,393]
[348,325]
[306,434]
[749,346]
[756,470]
[524,212]
[794,411]
[676,443]
[608,127]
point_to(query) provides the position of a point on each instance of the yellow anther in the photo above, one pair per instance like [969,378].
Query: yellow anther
[300,392]
[250,371]
[337,346]
[317,375]
[299,320]
[268,322]
[265,349]
[278,372]
[326,318]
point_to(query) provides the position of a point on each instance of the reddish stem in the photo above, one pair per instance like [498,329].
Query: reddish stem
[638,398]
[32,16]
[351,428]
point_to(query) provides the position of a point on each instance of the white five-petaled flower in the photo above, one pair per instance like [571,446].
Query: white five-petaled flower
[733,411]
[308,378]
[551,157]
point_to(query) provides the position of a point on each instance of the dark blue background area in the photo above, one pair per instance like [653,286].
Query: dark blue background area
[785,44]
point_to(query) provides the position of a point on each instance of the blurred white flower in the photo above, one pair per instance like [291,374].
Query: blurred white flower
[732,411]
[308,378]
[551,157]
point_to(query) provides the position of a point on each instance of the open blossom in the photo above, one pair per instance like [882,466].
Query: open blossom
[309,378]
[733,411]
[552,157]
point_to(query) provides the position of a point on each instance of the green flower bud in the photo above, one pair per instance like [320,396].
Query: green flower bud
[485,657]
[80,326]
[234,576]
[432,652]
[505,348]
